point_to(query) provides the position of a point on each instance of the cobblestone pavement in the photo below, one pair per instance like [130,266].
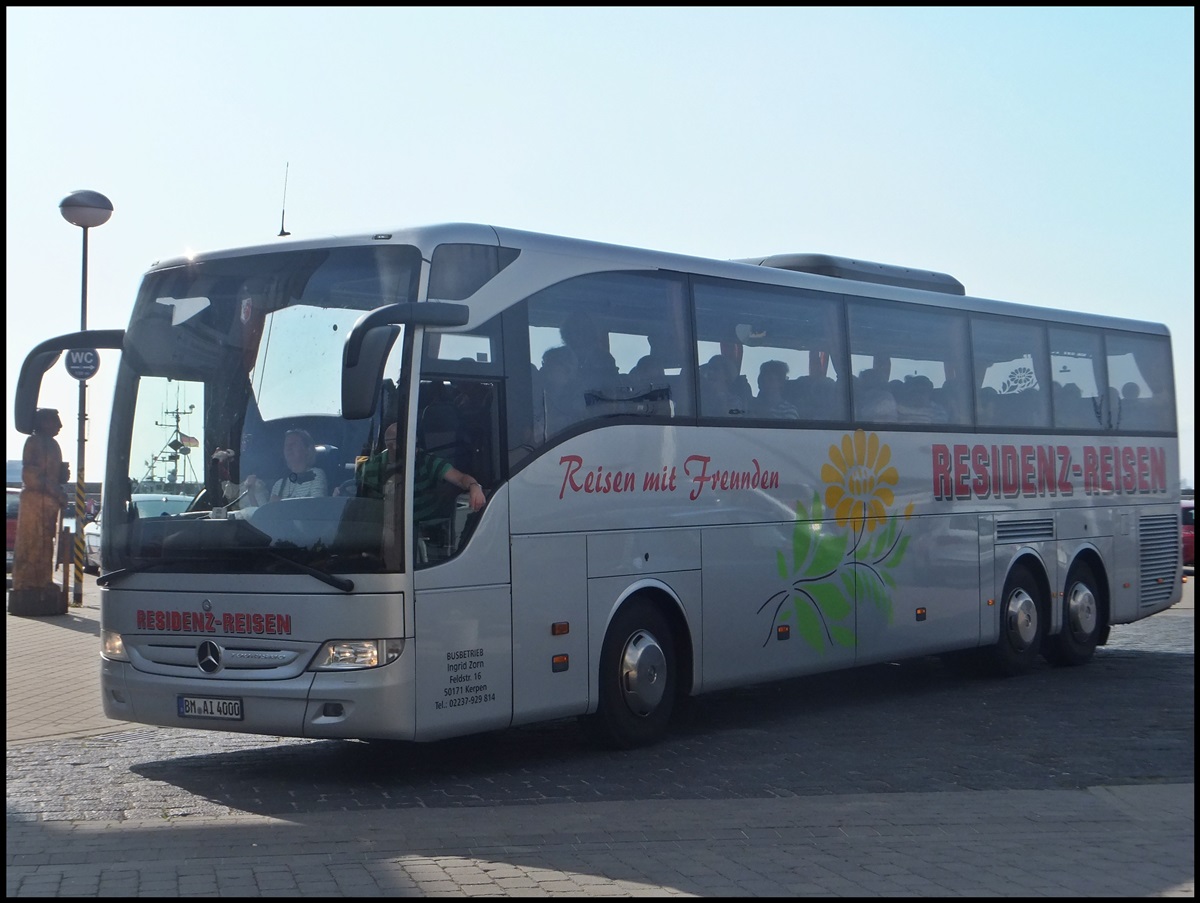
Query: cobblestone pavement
[905,779]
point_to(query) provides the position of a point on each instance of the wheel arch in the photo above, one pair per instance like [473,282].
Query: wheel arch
[1032,561]
[667,601]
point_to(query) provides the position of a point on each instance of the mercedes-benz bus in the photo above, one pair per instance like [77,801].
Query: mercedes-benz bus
[699,474]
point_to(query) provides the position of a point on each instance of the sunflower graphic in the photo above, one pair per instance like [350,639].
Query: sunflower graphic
[858,481]
[835,566]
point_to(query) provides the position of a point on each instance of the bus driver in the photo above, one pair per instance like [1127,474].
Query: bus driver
[303,480]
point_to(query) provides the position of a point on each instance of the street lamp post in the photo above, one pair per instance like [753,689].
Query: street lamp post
[85,209]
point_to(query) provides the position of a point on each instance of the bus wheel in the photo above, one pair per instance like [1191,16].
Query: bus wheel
[1022,624]
[637,678]
[1080,633]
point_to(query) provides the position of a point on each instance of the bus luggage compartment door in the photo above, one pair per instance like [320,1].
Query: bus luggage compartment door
[550,664]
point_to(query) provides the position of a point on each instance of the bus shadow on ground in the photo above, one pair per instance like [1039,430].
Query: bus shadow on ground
[917,726]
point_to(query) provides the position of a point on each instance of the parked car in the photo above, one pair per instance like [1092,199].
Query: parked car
[12,505]
[1187,516]
[91,546]
[148,504]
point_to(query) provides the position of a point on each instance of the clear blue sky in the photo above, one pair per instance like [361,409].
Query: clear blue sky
[1039,155]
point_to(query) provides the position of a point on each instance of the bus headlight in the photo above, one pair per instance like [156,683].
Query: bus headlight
[345,655]
[112,647]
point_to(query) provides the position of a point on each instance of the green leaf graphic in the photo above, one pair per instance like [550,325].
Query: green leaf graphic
[830,549]
[808,625]
[801,541]
[848,584]
[832,571]
[842,636]
[834,604]
[872,590]
[883,539]
[898,553]
[860,552]
[818,510]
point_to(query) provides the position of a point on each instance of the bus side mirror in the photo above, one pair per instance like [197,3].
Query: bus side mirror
[362,378]
[371,338]
[42,358]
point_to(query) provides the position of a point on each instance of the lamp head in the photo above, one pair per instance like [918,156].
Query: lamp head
[86,209]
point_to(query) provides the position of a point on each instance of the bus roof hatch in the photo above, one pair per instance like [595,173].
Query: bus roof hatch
[862,271]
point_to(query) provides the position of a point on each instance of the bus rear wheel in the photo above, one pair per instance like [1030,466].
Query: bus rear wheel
[1022,623]
[1080,633]
[637,678]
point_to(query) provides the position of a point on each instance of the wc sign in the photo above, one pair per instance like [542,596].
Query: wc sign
[82,363]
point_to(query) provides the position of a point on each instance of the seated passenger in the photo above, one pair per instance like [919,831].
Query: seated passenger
[815,397]
[719,395]
[987,405]
[593,361]
[951,395]
[1071,409]
[303,481]
[873,399]
[772,376]
[430,471]
[918,405]
[1130,406]
[562,401]
[647,370]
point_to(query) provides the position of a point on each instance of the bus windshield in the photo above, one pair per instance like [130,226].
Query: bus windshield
[231,396]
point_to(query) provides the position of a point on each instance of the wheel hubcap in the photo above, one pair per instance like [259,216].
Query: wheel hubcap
[1021,619]
[1081,611]
[643,673]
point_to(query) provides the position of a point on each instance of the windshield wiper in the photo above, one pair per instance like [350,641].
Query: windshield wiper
[105,579]
[343,583]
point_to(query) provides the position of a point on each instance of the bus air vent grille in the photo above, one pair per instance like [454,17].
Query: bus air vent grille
[1038,530]
[1158,541]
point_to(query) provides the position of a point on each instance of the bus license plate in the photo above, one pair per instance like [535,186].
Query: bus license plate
[210,707]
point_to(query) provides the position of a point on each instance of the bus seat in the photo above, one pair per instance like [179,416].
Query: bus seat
[330,461]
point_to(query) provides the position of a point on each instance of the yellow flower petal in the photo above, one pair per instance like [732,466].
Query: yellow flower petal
[848,451]
[843,511]
[837,459]
[876,516]
[872,451]
[885,455]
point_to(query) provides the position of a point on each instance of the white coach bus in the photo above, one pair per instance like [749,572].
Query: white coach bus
[699,474]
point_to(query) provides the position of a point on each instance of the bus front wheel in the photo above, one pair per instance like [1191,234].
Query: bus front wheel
[1080,633]
[637,678]
[1022,623]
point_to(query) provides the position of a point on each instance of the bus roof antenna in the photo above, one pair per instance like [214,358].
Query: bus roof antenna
[283,210]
